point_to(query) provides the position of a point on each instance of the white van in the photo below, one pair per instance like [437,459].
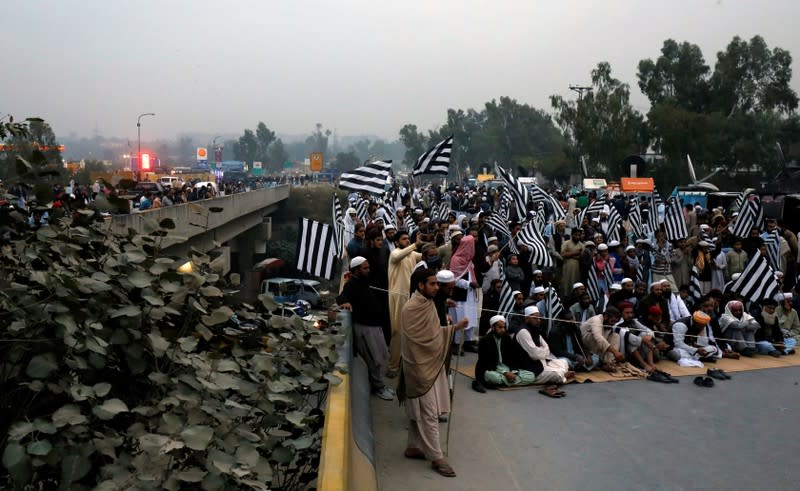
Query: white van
[170,182]
[292,290]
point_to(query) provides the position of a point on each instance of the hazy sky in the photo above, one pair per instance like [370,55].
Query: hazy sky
[361,67]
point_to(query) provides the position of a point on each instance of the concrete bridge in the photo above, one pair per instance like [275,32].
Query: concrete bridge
[238,224]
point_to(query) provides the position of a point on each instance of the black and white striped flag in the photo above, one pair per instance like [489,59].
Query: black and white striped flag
[362,211]
[410,225]
[370,178]
[518,191]
[315,248]
[635,218]
[773,242]
[592,288]
[653,219]
[608,275]
[674,224]
[595,206]
[757,281]
[436,160]
[695,292]
[506,299]
[338,227]
[553,306]
[532,237]
[540,196]
[499,225]
[751,215]
[614,222]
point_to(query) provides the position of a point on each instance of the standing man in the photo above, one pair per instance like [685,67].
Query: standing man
[358,297]
[571,251]
[401,264]
[424,346]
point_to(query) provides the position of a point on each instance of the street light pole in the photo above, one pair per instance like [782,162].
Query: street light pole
[580,90]
[139,139]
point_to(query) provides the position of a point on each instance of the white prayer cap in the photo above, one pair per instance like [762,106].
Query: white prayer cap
[538,289]
[515,293]
[735,276]
[787,296]
[616,286]
[492,249]
[445,276]
[602,247]
[704,226]
[625,280]
[530,310]
[351,211]
[578,285]
[595,219]
[735,214]
[779,274]
[655,283]
[538,271]
[453,227]
[605,209]
[426,220]
[389,226]
[495,319]
[589,243]
[418,211]
[456,233]
[491,239]
[630,248]
[613,243]
[357,261]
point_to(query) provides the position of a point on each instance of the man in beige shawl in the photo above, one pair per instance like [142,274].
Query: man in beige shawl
[424,345]
[401,264]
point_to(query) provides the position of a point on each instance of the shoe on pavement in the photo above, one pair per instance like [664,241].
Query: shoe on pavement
[384,393]
[478,387]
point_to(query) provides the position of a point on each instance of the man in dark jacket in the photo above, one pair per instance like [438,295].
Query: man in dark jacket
[497,355]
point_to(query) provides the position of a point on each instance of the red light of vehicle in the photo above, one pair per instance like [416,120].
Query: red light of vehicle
[145,161]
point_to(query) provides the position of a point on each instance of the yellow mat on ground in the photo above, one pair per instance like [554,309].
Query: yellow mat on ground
[743,364]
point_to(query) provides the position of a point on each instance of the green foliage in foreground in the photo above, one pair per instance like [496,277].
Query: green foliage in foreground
[119,372]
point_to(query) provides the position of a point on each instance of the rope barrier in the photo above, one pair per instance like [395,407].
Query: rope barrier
[630,328]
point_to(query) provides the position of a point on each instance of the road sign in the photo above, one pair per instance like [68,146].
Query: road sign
[257,168]
[202,153]
[287,164]
[316,161]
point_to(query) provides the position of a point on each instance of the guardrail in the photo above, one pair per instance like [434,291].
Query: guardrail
[348,444]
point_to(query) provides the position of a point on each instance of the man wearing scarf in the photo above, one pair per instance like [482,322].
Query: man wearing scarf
[739,326]
[545,366]
[424,347]
[496,358]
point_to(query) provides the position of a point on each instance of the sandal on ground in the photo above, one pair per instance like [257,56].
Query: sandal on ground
[414,453]
[444,469]
[723,373]
[552,391]
[714,373]
[703,382]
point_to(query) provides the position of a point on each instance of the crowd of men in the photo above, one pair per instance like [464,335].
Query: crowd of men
[421,296]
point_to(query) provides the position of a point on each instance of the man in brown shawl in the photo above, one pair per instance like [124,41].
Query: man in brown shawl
[424,347]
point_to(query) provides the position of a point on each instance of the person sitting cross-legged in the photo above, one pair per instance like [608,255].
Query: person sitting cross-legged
[497,355]
[537,357]
[694,339]
[598,336]
[739,327]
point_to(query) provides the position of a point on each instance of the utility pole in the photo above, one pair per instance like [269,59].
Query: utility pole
[580,89]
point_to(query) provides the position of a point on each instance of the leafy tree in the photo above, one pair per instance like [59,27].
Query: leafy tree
[678,77]
[246,148]
[347,161]
[414,142]
[603,124]
[276,155]
[36,141]
[318,141]
[750,77]
[264,138]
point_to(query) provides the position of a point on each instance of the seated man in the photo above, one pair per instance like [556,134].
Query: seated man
[537,357]
[583,309]
[598,336]
[564,343]
[740,327]
[517,314]
[636,339]
[496,358]
[694,338]
[769,339]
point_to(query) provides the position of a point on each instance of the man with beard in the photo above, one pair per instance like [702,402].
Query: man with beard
[425,344]
[599,338]
[358,297]
[675,304]
[694,338]
[538,359]
[496,358]
[639,344]
[582,310]
[655,297]
[401,264]
[517,312]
